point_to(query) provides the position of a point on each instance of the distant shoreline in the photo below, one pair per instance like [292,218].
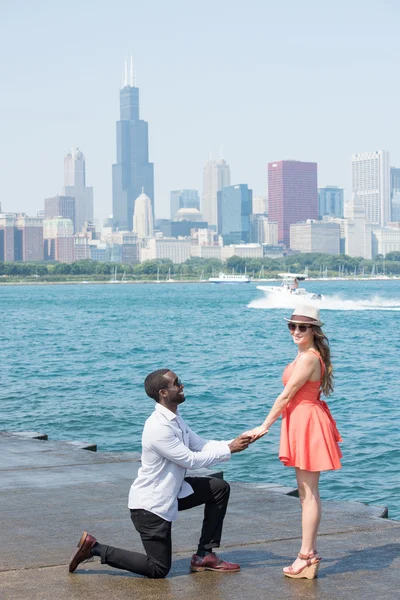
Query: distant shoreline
[180,281]
[7,283]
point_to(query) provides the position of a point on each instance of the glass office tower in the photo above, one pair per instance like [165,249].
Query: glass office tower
[132,174]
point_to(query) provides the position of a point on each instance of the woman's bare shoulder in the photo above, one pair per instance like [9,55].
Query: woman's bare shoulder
[309,357]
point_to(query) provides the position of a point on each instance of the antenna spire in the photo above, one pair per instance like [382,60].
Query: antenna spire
[126,72]
[131,79]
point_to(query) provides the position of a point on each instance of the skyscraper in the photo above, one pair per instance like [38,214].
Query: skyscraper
[394,180]
[183,199]
[28,238]
[234,210]
[357,229]
[371,184]
[262,230]
[395,194]
[143,217]
[216,175]
[292,194]
[75,186]
[58,239]
[132,171]
[260,205]
[21,237]
[330,201]
[60,206]
[7,237]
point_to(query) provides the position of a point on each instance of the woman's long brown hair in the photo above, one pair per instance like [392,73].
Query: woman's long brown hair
[321,344]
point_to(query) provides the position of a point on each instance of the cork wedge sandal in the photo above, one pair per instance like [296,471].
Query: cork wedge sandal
[310,569]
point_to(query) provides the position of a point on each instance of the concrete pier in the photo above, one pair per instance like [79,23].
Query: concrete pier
[50,491]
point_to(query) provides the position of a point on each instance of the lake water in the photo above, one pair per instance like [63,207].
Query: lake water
[74,357]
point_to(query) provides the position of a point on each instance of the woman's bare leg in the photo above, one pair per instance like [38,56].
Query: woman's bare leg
[307,482]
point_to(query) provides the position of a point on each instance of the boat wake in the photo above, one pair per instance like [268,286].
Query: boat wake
[329,303]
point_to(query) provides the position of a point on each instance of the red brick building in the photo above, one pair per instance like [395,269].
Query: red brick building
[28,238]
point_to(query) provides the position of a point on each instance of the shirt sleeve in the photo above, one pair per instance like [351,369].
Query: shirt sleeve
[197,443]
[168,445]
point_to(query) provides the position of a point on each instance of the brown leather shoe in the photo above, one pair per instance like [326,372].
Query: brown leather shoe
[212,562]
[85,545]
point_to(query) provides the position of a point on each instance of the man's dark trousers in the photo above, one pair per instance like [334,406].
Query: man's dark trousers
[155,532]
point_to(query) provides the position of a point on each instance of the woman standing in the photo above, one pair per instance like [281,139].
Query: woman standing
[309,437]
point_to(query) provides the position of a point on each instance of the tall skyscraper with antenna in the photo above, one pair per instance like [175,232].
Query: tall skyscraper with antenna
[132,171]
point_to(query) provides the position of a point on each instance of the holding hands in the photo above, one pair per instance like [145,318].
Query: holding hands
[240,443]
[256,433]
[245,439]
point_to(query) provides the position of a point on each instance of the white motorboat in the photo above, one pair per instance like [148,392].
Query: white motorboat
[289,289]
[224,278]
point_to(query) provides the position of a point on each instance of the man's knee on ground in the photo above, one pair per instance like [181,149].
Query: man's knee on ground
[159,571]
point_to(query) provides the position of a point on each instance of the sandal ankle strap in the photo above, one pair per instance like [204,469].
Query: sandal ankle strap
[308,557]
[305,556]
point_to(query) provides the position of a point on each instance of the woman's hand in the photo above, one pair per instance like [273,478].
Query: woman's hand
[256,433]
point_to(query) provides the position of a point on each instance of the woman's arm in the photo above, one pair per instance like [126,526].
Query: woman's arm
[303,370]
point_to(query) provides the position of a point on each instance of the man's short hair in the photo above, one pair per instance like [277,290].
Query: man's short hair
[155,382]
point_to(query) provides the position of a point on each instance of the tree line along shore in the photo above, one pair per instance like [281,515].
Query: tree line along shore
[200,268]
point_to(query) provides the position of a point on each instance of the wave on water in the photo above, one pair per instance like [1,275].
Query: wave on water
[329,303]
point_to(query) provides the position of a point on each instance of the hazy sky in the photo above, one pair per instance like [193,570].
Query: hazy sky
[309,80]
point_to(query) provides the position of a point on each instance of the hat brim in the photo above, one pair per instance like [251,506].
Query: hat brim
[317,323]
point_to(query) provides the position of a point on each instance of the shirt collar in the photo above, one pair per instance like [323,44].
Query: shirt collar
[166,412]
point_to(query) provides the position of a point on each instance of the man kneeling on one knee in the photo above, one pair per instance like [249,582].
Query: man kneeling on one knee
[169,447]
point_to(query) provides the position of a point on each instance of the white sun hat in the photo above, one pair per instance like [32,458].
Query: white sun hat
[306,314]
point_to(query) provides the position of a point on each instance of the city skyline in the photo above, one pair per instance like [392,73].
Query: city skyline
[324,54]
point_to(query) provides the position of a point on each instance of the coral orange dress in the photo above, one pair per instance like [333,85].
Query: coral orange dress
[309,436]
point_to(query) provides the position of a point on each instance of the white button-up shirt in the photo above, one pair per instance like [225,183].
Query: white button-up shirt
[169,447]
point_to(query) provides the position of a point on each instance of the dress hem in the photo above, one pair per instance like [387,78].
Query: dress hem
[286,464]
